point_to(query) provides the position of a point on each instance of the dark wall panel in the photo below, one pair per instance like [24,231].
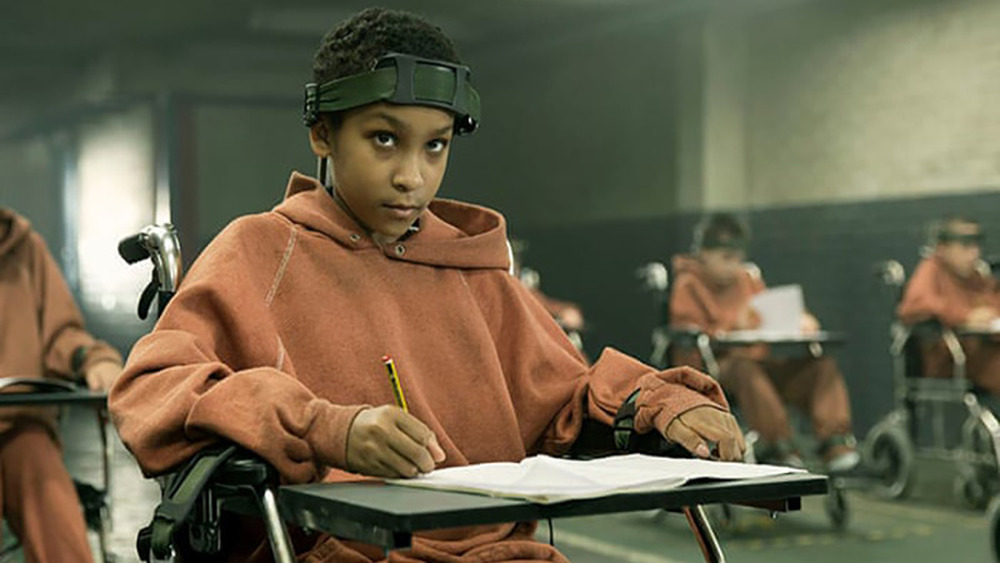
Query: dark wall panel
[829,249]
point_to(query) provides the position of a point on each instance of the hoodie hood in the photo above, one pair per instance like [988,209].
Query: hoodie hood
[452,234]
[13,230]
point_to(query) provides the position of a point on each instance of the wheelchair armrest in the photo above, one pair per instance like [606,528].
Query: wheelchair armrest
[598,440]
[684,337]
[214,476]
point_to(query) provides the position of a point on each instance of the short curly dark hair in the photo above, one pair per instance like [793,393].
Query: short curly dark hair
[355,44]
[720,230]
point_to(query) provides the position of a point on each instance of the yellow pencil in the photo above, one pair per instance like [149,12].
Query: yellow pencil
[397,389]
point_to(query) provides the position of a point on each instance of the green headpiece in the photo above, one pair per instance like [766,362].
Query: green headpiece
[400,79]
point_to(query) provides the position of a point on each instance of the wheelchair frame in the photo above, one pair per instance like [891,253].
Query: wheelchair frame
[892,444]
[656,277]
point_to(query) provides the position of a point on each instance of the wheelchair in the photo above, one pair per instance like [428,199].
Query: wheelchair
[655,278]
[187,524]
[898,438]
[95,501]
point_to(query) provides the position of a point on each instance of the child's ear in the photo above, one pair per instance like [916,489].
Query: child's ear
[320,139]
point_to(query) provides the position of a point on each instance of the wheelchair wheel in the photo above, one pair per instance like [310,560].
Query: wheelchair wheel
[890,454]
[994,527]
[723,516]
[970,490]
[977,480]
[837,508]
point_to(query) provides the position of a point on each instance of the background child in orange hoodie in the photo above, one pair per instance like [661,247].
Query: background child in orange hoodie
[42,330]
[712,293]
[951,286]
[275,338]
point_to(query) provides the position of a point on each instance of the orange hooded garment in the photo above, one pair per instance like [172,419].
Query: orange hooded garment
[41,327]
[934,292]
[275,338]
[696,303]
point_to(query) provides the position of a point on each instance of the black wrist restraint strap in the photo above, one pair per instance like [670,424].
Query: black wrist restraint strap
[624,425]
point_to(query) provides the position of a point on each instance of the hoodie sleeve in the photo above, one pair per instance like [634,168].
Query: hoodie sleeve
[924,299]
[553,389]
[213,368]
[60,321]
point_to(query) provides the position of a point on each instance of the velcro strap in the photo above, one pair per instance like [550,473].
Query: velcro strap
[624,426]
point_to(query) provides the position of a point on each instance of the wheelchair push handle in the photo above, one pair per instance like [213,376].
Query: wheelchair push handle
[159,243]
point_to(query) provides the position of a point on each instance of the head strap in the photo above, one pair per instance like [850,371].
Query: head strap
[400,79]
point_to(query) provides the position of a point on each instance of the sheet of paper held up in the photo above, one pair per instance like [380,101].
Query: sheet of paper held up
[780,308]
[547,480]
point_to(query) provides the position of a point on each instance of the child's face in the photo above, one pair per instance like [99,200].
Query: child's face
[388,163]
[722,265]
[963,254]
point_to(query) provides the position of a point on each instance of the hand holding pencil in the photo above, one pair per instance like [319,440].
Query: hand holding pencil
[387,441]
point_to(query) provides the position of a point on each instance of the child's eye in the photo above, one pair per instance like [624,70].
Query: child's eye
[437,145]
[384,139]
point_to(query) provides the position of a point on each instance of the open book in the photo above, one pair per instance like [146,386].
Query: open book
[546,480]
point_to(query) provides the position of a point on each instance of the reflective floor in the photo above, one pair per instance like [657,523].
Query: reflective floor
[930,527]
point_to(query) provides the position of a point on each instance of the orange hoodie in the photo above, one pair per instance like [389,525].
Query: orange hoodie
[935,292]
[697,303]
[42,326]
[275,338]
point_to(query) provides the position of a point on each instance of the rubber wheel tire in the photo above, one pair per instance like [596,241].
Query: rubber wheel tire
[891,459]
[837,508]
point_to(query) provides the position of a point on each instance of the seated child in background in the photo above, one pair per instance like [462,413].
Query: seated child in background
[275,338]
[712,293]
[951,286]
[43,336]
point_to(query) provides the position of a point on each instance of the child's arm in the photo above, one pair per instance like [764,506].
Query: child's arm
[923,299]
[554,390]
[61,324]
[214,369]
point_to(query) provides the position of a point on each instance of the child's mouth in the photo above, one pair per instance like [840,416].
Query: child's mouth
[401,212]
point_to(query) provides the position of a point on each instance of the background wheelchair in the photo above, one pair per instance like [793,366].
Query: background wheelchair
[918,423]
[665,340]
[225,480]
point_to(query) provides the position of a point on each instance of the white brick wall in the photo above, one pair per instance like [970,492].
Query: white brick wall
[854,99]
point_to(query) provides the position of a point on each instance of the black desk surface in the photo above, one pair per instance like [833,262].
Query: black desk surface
[766,337]
[83,396]
[387,514]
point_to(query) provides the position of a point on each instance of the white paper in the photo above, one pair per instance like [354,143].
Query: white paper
[780,308]
[546,480]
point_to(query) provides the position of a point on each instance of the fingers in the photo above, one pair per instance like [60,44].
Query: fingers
[388,442]
[692,442]
[707,424]
[421,434]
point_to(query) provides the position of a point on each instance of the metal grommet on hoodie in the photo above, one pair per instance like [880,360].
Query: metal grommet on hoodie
[400,250]
[355,237]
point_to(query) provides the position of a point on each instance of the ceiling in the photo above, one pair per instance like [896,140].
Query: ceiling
[49,46]
[43,40]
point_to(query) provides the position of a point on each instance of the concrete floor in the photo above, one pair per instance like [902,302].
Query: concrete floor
[929,527]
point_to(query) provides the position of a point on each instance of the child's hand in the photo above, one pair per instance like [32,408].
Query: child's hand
[748,319]
[102,375]
[981,317]
[388,442]
[808,324]
[694,428]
